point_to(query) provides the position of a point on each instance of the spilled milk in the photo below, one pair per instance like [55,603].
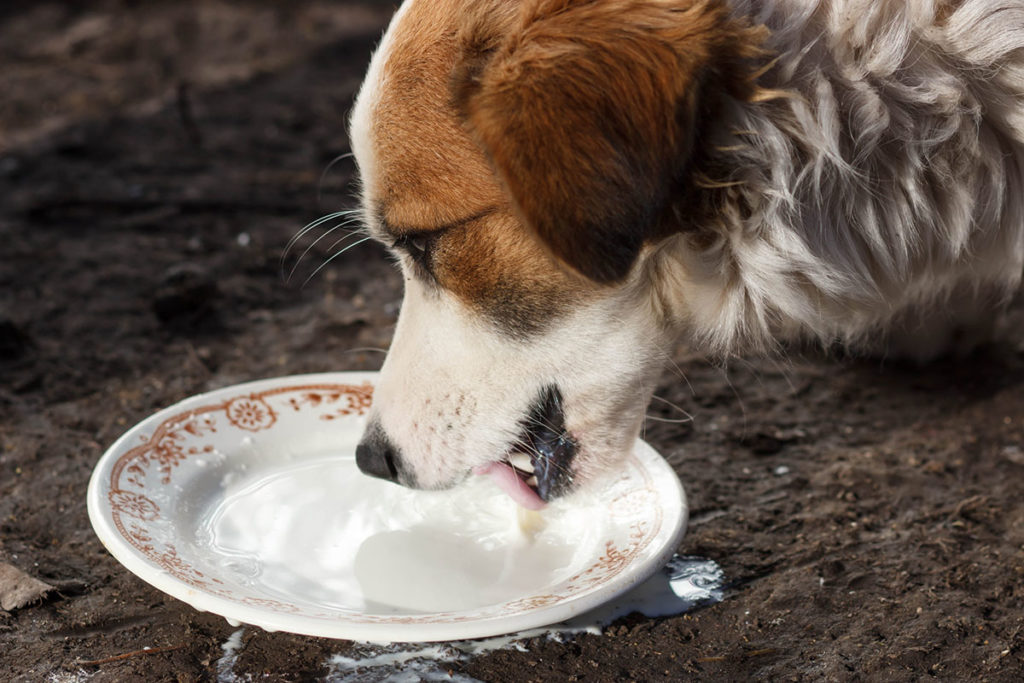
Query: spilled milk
[683,584]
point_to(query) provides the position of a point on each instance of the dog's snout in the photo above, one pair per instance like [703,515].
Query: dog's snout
[377,456]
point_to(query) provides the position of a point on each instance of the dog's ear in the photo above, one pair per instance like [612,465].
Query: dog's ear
[587,110]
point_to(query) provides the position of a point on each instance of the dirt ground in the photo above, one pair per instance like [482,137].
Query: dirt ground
[156,157]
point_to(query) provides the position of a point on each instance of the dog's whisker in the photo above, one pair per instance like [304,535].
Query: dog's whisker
[542,421]
[323,175]
[669,420]
[339,226]
[313,224]
[298,261]
[688,418]
[739,399]
[340,240]
[682,374]
[346,213]
[332,257]
[784,368]
[551,464]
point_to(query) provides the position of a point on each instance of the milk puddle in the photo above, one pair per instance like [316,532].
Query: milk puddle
[686,582]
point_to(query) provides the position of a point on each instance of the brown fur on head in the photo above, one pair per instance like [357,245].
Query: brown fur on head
[628,141]
[589,112]
[500,140]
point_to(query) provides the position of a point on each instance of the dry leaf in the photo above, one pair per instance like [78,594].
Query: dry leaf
[18,589]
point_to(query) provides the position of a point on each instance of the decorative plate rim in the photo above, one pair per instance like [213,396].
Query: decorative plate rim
[104,517]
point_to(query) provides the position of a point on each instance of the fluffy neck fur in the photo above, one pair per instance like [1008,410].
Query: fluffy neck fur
[889,177]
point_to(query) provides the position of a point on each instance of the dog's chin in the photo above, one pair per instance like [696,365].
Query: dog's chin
[538,467]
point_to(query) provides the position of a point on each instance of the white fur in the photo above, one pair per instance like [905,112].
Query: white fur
[361,119]
[891,181]
[884,209]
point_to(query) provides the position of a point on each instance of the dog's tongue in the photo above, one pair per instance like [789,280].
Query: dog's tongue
[508,481]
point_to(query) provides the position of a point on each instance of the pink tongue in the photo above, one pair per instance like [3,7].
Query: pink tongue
[508,481]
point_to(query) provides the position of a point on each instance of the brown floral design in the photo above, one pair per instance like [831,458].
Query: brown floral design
[250,413]
[356,401]
[133,505]
[176,566]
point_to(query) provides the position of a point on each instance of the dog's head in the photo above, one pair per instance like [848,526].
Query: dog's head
[525,160]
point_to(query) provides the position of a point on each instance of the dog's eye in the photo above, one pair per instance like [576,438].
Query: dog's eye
[416,246]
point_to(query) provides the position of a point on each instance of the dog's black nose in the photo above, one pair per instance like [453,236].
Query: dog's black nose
[377,456]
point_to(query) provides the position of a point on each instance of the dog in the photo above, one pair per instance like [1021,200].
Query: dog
[570,187]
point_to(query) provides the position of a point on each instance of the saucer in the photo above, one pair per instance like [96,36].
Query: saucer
[247,502]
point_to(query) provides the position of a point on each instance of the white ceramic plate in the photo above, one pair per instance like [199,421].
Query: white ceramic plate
[246,502]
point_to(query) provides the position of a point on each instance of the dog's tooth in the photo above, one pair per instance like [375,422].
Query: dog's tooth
[532,481]
[521,461]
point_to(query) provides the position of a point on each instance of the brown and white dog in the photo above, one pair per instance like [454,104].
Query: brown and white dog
[570,186]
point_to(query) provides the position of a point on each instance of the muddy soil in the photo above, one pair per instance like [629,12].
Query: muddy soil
[155,158]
